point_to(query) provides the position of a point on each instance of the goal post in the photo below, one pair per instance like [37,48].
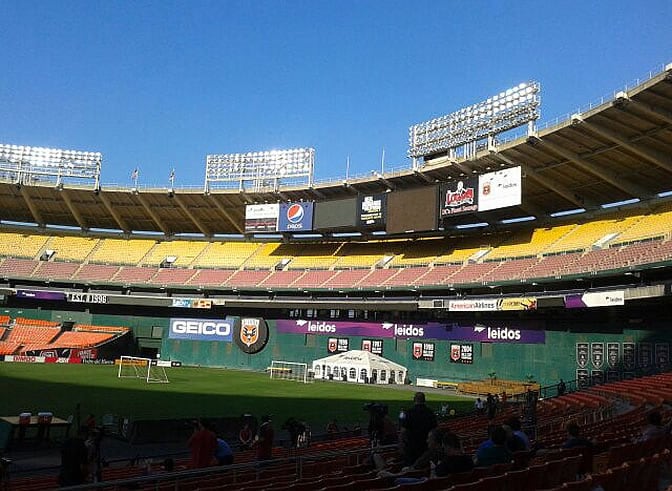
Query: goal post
[142,368]
[289,370]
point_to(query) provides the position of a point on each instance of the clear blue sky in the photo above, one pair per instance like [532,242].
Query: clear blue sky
[161,84]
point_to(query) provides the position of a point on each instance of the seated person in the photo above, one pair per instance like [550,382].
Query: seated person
[574,438]
[454,460]
[497,453]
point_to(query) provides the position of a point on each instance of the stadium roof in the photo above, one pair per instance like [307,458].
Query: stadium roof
[616,152]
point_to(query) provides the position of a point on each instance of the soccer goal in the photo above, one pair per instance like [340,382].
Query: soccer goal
[135,367]
[289,370]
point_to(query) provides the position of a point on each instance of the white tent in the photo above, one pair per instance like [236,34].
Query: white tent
[359,366]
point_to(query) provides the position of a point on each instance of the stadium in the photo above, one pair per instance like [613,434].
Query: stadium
[505,258]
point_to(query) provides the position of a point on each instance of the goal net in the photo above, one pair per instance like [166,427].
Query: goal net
[289,370]
[135,367]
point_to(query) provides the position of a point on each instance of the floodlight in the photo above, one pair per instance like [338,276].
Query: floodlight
[504,111]
[261,169]
[28,165]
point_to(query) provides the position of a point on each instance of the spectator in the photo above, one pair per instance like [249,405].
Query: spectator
[382,430]
[562,388]
[479,406]
[223,452]
[332,427]
[263,442]
[513,442]
[454,460]
[295,429]
[202,444]
[574,438]
[94,457]
[654,427]
[245,437]
[491,406]
[91,422]
[74,460]
[497,453]
[417,423]
[514,423]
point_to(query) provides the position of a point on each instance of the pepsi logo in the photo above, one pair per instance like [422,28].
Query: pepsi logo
[295,213]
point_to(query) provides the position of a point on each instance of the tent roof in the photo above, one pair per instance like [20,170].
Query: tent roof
[360,358]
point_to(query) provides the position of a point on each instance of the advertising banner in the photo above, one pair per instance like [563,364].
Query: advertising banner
[500,334]
[295,217]
[493,304]
[493,333]
[500,189]
[595,299]
[371,211]
[40,295]
[261,218]
[201,329]
[458,197]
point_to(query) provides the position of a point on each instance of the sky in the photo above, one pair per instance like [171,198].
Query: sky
[161,84]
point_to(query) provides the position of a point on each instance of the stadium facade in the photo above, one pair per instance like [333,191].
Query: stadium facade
[543,257]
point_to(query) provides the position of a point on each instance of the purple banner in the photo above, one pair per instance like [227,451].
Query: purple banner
[40,295]
[497,334]
[364,329]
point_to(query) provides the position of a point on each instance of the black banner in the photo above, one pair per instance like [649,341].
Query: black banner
[462,353]
[371,211]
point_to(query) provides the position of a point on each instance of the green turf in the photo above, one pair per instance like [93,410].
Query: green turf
[193,392]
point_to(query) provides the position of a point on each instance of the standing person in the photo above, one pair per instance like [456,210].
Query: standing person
[202,443]
[416,424]
[74,460]
[263,442]
[562,388]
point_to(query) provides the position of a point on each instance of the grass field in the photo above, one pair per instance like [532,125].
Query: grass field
[195,392]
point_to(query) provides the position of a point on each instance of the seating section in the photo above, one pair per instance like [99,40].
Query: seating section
[184,252]
[226,255]
[615,243]
[121,251]
[362,254]
[585,235]
[311,256]
[70,248]
[529,243]
[21,245]
[25,335]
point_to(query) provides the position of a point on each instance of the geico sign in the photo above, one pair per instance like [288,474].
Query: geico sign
[212,328]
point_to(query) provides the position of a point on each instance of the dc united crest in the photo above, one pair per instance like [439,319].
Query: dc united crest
[252,335]
[249,331]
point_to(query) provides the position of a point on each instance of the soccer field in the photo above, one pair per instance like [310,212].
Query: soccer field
[195,392]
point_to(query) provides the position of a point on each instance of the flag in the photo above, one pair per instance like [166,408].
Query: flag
[134,174]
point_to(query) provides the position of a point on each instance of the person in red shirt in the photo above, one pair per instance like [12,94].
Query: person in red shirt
[263,442]
[202,444]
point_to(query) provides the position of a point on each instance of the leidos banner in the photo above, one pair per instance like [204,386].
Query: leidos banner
[499,189]
[493,304]
[595,299]
[295,217]
[201,329]
[498,334]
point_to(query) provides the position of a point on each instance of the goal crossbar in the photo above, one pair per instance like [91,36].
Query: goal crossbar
[142,368]
[288,370]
